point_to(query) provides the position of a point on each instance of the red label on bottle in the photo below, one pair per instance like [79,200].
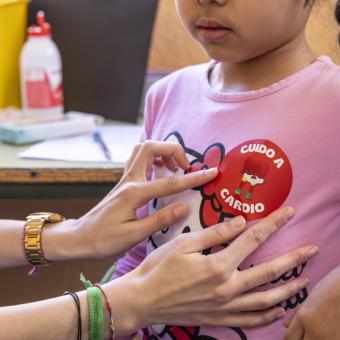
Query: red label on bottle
[43,88]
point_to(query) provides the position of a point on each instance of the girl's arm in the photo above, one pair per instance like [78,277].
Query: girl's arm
[318,317]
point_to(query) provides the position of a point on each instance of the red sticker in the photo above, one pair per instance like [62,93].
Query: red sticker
[255,179]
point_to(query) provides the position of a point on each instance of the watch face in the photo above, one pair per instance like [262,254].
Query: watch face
[47,216]
[55,218]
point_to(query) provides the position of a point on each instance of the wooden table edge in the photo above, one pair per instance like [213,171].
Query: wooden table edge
[60,175]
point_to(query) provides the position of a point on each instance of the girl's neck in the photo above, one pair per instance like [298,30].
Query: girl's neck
[264,70]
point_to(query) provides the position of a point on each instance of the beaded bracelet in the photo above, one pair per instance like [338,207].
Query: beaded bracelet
[77,301]
[109,309]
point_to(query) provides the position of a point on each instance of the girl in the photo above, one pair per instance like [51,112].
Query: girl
[266,112]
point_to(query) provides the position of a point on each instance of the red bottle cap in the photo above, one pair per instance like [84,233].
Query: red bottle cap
[42,29]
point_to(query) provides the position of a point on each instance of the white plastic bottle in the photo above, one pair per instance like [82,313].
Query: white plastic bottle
[41,71]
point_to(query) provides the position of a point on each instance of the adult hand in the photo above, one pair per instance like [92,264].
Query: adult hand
[112,226]
[178,285]
[318,317]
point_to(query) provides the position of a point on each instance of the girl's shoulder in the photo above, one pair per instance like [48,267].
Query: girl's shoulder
[186,77]
[329,76]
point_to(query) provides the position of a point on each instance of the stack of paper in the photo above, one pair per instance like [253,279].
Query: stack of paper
[120,140]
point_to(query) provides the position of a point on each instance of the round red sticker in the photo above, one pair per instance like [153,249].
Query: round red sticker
[254,179]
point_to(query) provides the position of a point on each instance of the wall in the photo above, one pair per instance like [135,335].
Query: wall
[172,48]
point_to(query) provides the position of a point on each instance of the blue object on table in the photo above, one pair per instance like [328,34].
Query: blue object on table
[73,123]
[99,140]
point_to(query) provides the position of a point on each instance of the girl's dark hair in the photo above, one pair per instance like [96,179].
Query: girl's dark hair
[337,14]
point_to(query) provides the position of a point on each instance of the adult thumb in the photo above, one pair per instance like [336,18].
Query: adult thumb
[215,235]
[159,220]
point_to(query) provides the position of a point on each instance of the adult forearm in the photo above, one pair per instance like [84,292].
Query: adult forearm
[11,250]
[51,319]
[59,242]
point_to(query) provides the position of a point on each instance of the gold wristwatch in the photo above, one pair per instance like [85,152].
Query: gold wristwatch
[32,236]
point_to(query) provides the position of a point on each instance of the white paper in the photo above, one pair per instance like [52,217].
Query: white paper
[120,140]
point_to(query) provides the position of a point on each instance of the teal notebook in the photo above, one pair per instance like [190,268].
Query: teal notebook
[72,124]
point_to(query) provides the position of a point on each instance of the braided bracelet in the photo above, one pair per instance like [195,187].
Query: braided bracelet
[109,309]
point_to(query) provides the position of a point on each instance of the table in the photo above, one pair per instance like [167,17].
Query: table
[20,177]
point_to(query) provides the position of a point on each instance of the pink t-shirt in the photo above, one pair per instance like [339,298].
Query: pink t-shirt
[274,146]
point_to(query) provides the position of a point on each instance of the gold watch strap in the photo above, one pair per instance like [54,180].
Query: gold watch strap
[32,236]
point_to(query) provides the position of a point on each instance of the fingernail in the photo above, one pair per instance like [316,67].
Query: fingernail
[180,211]
[289,213]
[238,222]
[211,172]
[303,282]
[312,252]
[280,314]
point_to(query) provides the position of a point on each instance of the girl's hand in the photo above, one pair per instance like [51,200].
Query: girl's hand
[178,285]
[112,227]
[318,317]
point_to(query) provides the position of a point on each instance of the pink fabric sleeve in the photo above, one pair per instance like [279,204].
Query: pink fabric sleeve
[130,261]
